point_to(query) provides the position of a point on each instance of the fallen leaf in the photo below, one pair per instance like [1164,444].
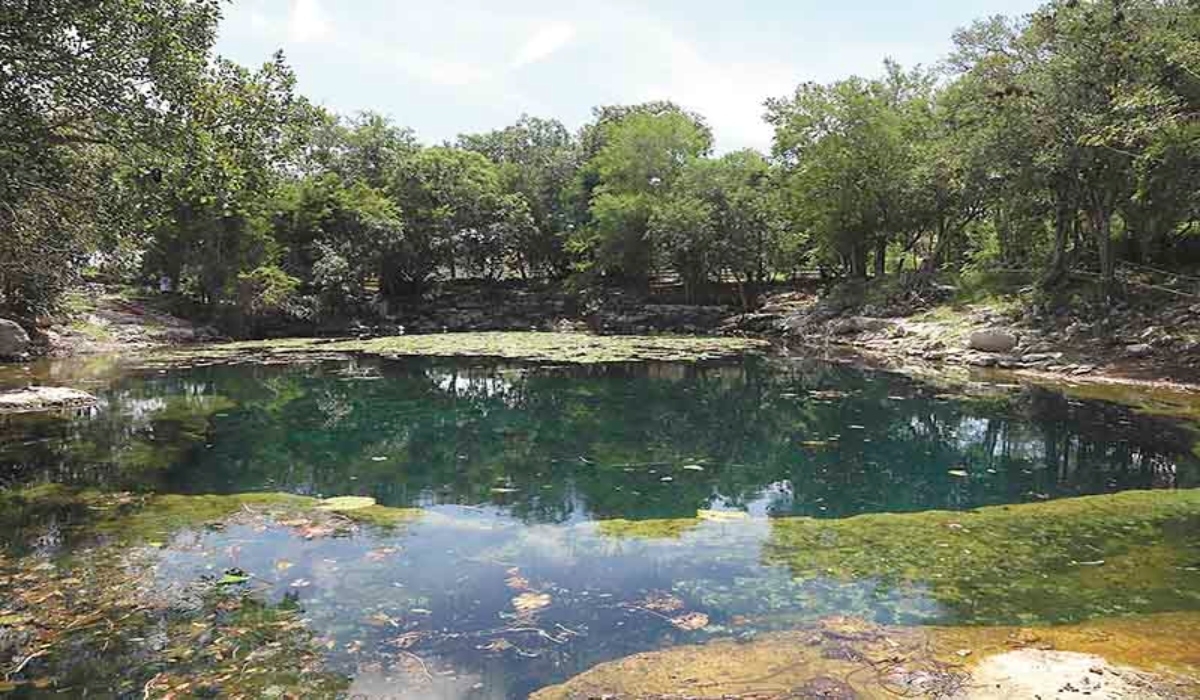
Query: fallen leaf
[691,621]
[530,602]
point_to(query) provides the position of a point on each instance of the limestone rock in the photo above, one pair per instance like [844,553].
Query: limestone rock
[992,340]
[14,341]
[43,398]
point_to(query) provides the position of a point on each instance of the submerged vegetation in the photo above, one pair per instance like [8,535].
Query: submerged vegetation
[176,604]
[574,348]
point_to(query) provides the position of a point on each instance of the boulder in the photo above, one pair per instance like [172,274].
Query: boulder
[14,341]
[43,398]
[1138,350]
[992,340]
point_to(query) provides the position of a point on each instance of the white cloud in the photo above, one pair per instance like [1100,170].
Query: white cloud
[308,23]
[547,40]
[729,95]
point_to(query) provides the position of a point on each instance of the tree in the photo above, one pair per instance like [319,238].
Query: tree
[720,218]
[239,133]
[642,156]
[846,156]
[336,238]
[537,160]
[81,84]
[454,211]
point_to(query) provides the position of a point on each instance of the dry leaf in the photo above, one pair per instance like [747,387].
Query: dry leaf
[690,621]
[530,602]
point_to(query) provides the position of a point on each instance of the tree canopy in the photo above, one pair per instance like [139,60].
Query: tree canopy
[1064,141]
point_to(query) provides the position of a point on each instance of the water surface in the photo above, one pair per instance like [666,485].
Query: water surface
[583,485]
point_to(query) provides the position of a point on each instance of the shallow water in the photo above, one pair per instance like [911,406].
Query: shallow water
[560,506]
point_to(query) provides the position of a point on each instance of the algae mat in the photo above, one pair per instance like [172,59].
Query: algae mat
[575,348]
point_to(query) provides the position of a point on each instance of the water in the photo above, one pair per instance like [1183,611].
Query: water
[560,506]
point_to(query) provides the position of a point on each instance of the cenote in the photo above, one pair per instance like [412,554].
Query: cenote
[534,520]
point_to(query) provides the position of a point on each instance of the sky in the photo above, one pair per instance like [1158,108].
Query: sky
[446,67]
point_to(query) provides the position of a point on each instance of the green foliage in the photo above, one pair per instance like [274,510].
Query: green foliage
[82,82]
[1059,140]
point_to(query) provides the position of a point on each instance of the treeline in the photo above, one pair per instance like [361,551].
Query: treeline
[1059,141]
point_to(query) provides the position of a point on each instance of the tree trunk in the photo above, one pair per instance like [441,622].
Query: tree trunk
[880,257]
[1058,264]
[1102,229]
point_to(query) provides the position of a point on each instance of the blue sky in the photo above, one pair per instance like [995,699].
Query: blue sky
[445,67]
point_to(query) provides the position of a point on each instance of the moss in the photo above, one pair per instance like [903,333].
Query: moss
[142,518]
[647,529]
[1091,556]
[868,661]
[577,348]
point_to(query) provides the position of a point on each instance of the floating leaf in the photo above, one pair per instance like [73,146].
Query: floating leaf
[530,602]
[233,577]
[338,504]
[691,621]
[659,601]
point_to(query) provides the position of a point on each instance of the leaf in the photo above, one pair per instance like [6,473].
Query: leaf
[13,620]
[691,621]
[339,504]
[233,577]
[530,602]
[958,472]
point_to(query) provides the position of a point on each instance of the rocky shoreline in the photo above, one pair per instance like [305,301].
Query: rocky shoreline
[1130,344]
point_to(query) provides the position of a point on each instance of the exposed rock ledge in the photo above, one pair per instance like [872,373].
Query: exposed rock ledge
[43,398]
[1152,657]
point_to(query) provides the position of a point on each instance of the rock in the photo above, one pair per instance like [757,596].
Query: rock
[1138,350]
[857,324]
[981,361]
[992,340]
[14,341]
[1038,673]
[1033,357]
[43,398]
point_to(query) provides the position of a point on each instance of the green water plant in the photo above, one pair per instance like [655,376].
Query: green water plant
[576,348]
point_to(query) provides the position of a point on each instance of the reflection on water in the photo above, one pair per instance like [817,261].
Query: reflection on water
[554,445]
[575,515]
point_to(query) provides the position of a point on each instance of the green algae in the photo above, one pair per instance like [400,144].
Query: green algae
[1057,561]
[140,518]
[673,528]
[574,348]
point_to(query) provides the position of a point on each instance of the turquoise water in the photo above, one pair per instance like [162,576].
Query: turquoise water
[520,471]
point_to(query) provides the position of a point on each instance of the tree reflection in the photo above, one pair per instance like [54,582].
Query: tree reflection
[551,444]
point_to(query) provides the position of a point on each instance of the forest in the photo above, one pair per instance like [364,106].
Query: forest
[1065,142]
